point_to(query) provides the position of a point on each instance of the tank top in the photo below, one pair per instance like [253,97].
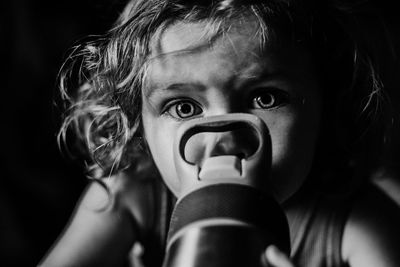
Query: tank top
[316,227]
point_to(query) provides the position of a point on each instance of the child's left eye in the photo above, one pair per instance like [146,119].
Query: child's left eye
[268,99]
[183,109]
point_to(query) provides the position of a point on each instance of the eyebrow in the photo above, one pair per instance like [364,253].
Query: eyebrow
[264,76]
[154,90]
[244,80]
[185,86]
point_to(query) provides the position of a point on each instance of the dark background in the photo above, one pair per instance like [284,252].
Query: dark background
[39,187]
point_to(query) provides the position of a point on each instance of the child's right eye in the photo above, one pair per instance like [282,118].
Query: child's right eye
[183,109]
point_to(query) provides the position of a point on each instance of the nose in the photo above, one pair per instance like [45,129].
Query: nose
[220,139]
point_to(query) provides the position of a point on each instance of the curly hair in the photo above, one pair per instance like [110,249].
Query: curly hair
[102,79]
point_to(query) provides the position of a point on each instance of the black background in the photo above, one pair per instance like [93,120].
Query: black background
[39,187]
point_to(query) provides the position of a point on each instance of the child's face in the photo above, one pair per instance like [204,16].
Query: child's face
[233,75]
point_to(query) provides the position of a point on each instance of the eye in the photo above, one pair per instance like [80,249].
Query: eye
[183,109]
[269,98]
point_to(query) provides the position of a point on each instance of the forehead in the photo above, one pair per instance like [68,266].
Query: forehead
[189,52]
[185,37]
[183,45]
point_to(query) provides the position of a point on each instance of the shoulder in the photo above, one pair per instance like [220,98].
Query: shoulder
[135,195]
[371,235]
[102,228]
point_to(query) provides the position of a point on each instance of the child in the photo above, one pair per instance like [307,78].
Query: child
[301,66]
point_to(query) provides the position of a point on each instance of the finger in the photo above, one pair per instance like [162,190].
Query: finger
[277,258]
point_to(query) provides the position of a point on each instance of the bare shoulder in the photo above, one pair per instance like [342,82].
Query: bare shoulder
[103,227]
[136,196]
[372,234]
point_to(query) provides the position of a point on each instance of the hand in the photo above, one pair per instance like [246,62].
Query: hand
[277,258]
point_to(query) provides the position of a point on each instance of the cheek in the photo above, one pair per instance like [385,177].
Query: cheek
[293,139]
[159,137]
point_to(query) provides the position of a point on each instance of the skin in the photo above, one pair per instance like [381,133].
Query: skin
[221,80]
[229,77]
